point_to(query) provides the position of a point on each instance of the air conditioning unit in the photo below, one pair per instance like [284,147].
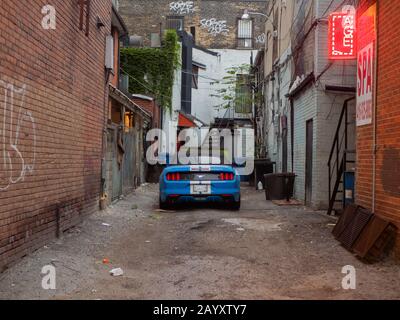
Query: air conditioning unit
[109,63]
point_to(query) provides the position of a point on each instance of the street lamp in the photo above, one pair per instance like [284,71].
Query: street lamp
[246,16]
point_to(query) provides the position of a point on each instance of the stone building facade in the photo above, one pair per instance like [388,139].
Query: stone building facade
[214,23]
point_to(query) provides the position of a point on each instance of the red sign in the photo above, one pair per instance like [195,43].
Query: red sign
[366,62]
[342,36]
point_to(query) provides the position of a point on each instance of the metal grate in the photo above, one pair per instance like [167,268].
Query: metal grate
[176,22]
[374,239]
[344,220]
[245,33]
[354,228]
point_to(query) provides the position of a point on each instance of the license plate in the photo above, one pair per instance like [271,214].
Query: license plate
[201,188]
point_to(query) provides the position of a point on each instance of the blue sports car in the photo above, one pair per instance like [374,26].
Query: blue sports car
[198,184]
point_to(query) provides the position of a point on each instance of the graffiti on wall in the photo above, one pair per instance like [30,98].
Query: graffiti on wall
[214,26]
[17,136]
[261,38]
[182,7]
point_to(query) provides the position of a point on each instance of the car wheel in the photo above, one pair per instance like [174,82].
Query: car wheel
[235,205]
[163,205]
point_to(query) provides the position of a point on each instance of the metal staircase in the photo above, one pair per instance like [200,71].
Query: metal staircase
[339,160]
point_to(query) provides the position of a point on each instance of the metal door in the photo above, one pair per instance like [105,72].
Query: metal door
[116,166]
[309,161]
[128,170]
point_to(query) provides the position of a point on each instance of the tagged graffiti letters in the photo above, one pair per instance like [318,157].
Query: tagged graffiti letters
[261,38]
[214,26]
[182,7]
[17,136]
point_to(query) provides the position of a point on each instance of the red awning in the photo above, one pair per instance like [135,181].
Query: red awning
[185,122]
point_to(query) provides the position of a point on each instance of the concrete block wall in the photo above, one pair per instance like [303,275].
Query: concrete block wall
[52,98]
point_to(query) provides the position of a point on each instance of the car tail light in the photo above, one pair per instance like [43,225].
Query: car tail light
[225,176]
[176,176]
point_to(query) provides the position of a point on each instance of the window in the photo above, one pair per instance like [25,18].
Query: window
[176,22]
[195,77]
[193,32]
[245,33]
[275,40]
[243,101]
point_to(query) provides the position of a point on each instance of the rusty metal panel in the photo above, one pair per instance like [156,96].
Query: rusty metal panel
[347,216]
[129,164]
[374,239]
[354,228]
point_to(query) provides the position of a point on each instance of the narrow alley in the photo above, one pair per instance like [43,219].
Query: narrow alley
[260,252]
[199,150]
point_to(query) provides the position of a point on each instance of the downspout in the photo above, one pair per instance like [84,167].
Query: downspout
[375,146]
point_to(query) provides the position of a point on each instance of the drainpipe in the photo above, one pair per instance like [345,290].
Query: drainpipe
[375,146]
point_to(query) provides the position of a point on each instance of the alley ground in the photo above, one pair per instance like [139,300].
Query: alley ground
[261,252]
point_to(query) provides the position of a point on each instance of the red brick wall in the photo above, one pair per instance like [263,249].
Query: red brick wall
[51,129]
[152,108]
[388,125]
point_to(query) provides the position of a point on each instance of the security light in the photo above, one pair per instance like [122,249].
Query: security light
[246,15]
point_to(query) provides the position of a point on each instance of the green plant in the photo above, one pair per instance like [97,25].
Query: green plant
[152,70]
[234,89]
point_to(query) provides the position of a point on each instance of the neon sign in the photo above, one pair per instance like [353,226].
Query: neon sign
[342,36]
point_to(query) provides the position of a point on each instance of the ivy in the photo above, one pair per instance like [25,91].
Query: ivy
[152,70]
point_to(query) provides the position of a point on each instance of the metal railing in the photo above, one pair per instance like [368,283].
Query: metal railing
[337,162]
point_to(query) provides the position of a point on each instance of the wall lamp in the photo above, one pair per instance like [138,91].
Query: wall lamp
[246,16]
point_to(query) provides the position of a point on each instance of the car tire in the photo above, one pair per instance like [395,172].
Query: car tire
[163,205]
[235,206]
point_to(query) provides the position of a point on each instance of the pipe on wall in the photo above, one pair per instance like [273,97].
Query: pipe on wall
[375,146]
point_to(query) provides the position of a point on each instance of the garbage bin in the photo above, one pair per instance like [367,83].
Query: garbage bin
[261,168]
[279,186]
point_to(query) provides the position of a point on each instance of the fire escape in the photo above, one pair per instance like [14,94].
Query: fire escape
[340,160]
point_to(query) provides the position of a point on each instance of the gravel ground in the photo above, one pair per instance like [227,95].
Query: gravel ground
[261,252]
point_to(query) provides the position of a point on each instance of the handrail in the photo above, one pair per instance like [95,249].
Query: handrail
[339,126]
[340,159]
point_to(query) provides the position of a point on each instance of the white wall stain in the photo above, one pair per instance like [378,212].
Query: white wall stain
[214,26]
[18,136]
[182,7]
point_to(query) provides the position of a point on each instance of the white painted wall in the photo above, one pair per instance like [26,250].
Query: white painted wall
[203,105]
[277,106]
[324,108]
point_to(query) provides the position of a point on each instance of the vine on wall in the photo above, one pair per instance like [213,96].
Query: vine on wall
[152,70]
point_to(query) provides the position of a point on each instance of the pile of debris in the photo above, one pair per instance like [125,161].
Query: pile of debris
[363,233]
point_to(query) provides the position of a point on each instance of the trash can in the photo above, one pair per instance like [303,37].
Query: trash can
[261,168]
[279,186]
